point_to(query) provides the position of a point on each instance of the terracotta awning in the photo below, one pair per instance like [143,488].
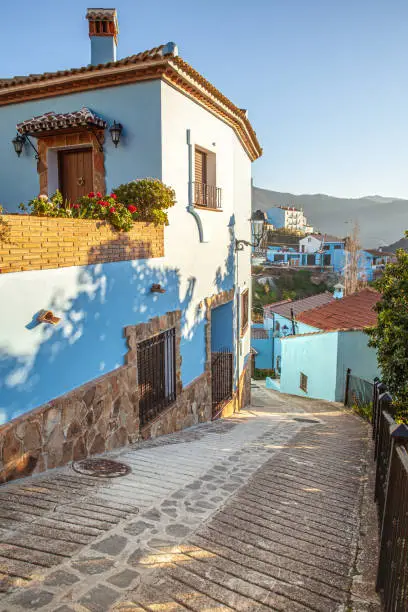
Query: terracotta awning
[51,122]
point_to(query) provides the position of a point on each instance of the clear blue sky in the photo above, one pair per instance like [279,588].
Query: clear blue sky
[325,81]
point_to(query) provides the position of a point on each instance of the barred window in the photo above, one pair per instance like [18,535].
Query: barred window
[156,368]
[244,310]
[303,382]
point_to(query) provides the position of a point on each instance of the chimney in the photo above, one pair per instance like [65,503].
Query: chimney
[103,32]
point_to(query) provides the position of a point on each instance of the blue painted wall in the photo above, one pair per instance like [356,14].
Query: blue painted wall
[89,340]
[324,358]
[354,353]
[316,357]
[222,319]
[264,349]
[276,335]
[137,107]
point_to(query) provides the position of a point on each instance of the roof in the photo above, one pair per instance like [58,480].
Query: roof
[326,238]
[284,308]
[355,311]
[53,121]
[161,62]
[377,253]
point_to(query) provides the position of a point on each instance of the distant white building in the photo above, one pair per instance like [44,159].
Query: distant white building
[289,218]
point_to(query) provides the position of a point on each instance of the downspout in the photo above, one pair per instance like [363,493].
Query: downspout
[238,331]
[292,318]
[190,207]
[273,341]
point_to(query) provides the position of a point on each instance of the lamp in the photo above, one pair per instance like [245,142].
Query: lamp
[18,144]
[116,132]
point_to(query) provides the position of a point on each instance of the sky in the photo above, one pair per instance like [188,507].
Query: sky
[325,82]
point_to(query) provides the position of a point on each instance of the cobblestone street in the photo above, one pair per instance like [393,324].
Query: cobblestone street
[256,512]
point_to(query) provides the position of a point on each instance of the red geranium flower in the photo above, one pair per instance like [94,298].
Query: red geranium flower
[132,208]
[112,209]
[113,195]
[91,194]
[76,206]
[98,194]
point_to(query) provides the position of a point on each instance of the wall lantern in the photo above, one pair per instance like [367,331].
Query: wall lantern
[116,132]
[19,142]
[285,330]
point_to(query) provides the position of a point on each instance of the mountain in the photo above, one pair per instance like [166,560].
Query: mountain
[382,220]
[401,244]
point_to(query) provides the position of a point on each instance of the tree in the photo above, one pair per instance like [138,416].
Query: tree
[352,276]
[390,336]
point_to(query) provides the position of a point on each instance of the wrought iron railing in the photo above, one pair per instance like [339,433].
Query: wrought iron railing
[208,196]
[359,394]
[222,363]
[391,491]
[156,368]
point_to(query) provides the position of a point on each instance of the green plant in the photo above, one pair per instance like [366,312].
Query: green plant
[150,197]
[107,208]
[43,206]
[390,336]
[262,374]
[4,228]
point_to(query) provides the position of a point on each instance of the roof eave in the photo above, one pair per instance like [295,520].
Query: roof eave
[171,69]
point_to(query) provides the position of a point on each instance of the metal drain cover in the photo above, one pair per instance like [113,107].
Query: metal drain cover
[304,420]
[101,468]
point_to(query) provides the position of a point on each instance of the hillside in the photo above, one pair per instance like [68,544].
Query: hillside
[382,220]
[400,244]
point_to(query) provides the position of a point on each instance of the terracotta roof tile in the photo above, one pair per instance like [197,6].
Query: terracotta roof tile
[284,308]
[355,311]
[58,121]
[163,58]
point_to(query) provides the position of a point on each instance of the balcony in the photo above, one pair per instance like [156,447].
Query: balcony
[206,196]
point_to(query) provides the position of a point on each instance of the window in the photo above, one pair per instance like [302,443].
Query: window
[303,382]
[277,326]
[244,310]
[309,239]
[156,369]
[326,247]
[206,193]
[338,246]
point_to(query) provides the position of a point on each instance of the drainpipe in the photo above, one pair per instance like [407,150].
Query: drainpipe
[273,341]
[190,207]
[292,318]
[238,331]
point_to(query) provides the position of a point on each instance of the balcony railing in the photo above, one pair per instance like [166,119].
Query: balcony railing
[208,196]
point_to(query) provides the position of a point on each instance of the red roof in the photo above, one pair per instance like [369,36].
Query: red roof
[355,311]
[285,307]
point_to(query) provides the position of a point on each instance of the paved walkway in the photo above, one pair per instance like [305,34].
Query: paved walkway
[257,512]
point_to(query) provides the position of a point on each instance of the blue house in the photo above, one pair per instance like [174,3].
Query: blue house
[281,320]
[107,336]
[314,364]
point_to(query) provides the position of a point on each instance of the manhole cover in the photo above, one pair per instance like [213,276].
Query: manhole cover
[304,420]
[102,468]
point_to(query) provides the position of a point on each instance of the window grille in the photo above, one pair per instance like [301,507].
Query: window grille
[156,367]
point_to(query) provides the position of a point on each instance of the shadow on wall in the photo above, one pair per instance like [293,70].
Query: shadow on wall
[95,303]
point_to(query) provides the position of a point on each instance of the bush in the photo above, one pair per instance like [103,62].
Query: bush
[150,197]
[141,200]
[92,206]
[262,374]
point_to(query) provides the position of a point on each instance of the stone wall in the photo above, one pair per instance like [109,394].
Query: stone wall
[39,243]
[243,400]
[94,418]
[193,406]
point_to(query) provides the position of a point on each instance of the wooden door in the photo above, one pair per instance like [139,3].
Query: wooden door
[75,173]
[200,166]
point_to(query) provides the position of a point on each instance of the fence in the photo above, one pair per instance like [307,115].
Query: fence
[359,394]
[221,378]
[391,490]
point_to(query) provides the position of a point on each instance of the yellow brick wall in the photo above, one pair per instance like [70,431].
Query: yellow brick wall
[39,243]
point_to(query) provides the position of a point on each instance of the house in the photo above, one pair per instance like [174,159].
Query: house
[262,347]
[289,218]
[372,263]
[314,363]
[323,250]
[282,320]
[107,336]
